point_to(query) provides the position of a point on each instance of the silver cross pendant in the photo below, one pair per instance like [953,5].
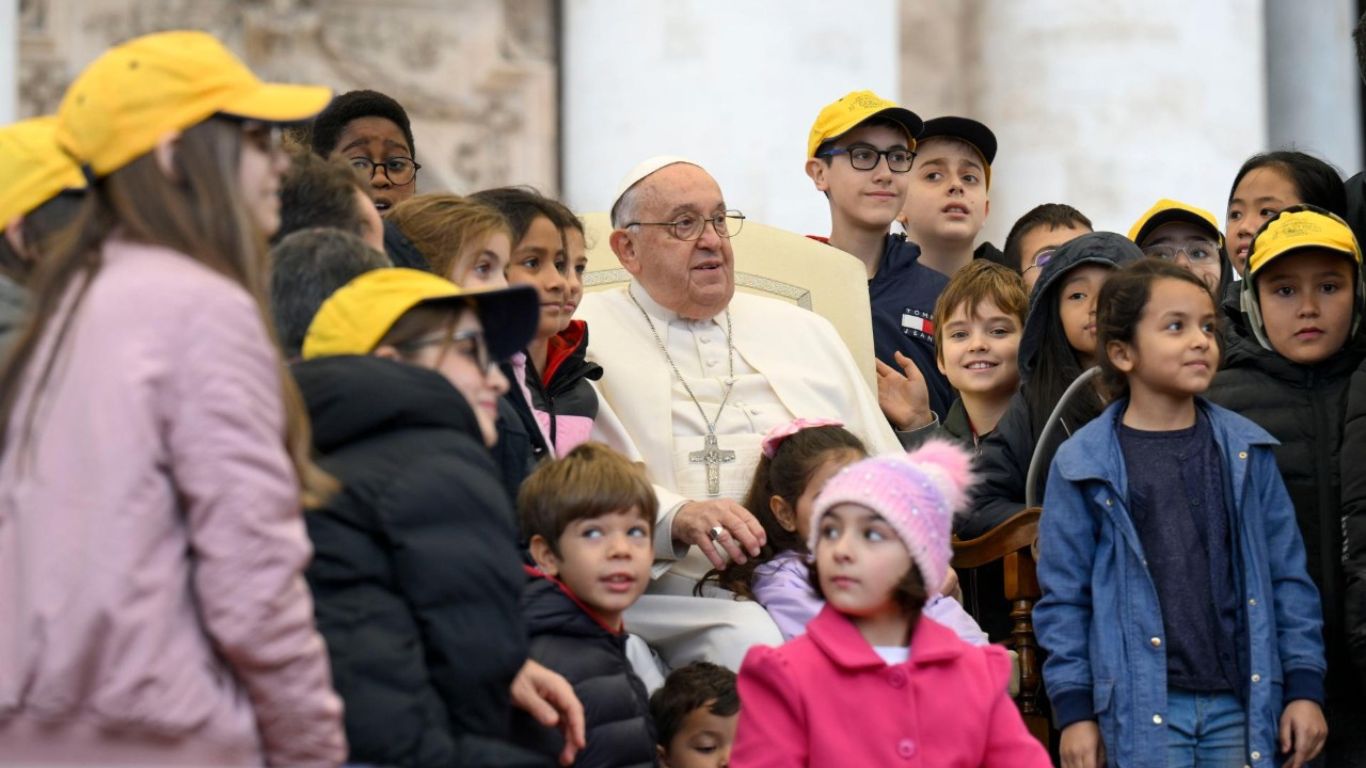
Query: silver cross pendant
[712,455]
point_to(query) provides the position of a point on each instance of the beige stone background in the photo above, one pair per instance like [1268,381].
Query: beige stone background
[477,77]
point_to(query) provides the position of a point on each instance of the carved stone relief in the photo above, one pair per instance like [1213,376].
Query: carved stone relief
[477,77]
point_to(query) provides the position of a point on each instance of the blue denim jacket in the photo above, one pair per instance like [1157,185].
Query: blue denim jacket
[1099,618]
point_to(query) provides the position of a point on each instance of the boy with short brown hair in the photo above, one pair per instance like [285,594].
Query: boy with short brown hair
[589,520]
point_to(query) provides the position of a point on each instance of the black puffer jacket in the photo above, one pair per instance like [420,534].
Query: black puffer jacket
[1004,455]
[1353,467]
[616,707]
[563,394]
[416,576]
[1304,407]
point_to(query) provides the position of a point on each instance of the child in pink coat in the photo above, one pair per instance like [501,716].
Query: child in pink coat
[872,682]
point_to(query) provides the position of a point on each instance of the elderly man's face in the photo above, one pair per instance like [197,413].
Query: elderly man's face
[695,278]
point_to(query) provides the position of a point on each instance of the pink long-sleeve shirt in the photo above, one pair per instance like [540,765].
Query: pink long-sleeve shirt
[152,605]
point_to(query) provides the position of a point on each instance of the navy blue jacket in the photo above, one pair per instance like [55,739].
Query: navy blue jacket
[1099,618]
[903,294]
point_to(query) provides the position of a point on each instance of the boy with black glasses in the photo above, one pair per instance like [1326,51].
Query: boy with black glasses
[859,153]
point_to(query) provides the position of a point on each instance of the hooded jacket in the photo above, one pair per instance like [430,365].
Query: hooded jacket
[1005,454]
[566,638]
[562,396]
[416,574]
[1304,408]
[1353,459]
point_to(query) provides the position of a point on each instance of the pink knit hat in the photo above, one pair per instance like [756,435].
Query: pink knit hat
[917,494]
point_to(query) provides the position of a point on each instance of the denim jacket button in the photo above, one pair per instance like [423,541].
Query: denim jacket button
[1256,678]
[1242,455]
[1157,719]
[1156,641]
[1252,601]
[1256,755]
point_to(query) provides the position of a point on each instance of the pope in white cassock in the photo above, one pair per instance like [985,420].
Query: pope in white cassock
[695,374]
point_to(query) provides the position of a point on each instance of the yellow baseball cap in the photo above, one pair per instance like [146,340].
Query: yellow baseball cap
[843,115]
[33,169]
[1166,211]
[137,92]
[356,317]
[1295,230]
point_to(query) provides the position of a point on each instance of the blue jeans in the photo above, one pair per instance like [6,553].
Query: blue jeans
[1205,730]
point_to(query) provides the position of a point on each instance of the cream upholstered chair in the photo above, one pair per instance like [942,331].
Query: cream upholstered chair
[775,263]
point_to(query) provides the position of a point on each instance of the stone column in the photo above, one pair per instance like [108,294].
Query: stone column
[1109,106]
[1313,92]
[734,85]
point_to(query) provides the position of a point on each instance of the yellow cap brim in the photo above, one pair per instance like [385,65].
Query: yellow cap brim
[279,103]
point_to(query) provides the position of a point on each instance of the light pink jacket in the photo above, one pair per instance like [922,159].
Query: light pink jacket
[828,699]
[152,607]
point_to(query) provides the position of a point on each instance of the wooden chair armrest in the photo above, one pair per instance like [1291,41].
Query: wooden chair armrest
[1015,534]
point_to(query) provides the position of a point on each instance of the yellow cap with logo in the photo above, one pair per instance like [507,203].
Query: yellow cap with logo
[354,319]
[1166,211]
[1298,228]
[134,94]
[843,115]
[33,168]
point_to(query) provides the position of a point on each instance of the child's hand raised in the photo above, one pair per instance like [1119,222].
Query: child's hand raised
[905,399]
[1081,746]
[1303,730]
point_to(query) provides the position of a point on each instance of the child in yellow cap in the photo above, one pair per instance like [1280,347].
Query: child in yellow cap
[152,594]
[1288,365]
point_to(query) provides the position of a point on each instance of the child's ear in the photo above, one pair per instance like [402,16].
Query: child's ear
[663,755]
[388,352]
[939,362]
[544,556]
[783,512]
[1121,356]
[816,168]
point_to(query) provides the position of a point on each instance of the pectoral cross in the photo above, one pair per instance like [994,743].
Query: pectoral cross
[712,455]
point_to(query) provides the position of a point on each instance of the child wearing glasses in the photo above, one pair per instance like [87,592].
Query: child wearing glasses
[1037,235]
[371,132]
[859,154]
[1288,363]
[1180,624]
[1183,234]
[416,574]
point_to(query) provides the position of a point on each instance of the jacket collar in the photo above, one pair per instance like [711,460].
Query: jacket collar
[1098,456]
[839,639]
[535,574]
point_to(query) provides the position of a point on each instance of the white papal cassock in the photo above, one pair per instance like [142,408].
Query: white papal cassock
[788,363]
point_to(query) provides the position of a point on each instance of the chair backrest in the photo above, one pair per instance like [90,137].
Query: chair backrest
[775,263]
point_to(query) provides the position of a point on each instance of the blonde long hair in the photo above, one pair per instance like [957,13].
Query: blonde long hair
[443,226]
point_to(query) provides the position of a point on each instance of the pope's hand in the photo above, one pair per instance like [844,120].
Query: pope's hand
[740,531]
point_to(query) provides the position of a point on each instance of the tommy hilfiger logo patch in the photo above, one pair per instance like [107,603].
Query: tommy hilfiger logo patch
[917,324]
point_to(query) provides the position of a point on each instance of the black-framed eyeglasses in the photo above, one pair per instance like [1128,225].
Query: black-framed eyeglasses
[866,158]
[476,351]
[400,171]
[1198,251]
[691,226]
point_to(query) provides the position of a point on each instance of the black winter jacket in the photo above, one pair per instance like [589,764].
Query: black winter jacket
[616,707]
[1356,206]
[416,575]
[564,392]
[1353,467]
[1303,407]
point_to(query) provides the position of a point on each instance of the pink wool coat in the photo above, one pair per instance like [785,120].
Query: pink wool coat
[827,699]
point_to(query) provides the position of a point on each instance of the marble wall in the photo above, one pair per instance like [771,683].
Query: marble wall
[477,77]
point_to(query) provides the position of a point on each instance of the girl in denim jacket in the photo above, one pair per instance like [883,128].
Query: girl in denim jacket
[1181,624]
